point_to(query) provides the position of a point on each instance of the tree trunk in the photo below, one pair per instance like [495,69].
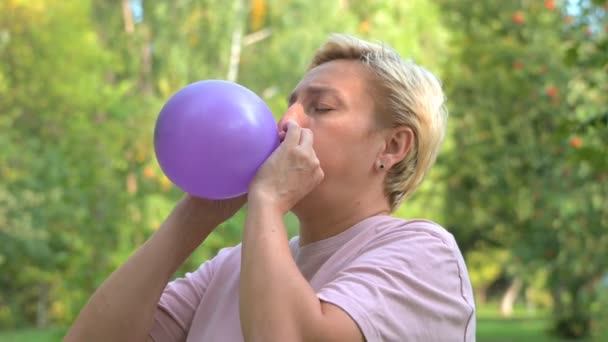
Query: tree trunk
[482,294]
[237,42]
[556,294]
[530,305]
[42,307]
[127,17]
[508,299]
[146,66]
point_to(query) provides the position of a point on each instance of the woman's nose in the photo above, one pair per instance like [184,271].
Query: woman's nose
[295,113]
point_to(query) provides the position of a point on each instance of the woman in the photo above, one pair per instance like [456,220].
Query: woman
[361,130]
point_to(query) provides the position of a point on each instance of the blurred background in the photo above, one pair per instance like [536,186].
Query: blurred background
[522,179]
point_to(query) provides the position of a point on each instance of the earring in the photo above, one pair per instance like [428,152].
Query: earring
[381,166]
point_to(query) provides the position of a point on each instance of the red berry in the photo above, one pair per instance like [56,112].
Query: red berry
[576,142]
[148,172]
[552,92]
[518,65]
[518,17]
[364,26]
[550,5]
[588,31]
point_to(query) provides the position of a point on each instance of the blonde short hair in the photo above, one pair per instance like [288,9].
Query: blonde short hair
[406,92]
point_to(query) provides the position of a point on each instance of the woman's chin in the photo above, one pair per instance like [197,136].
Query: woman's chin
[308,204]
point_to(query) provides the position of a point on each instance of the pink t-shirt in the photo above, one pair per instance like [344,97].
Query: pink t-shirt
[399,281]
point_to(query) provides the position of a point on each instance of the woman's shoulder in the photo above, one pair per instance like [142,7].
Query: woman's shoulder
[395,228]
[227,255]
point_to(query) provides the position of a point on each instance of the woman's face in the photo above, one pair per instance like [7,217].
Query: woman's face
[334,100]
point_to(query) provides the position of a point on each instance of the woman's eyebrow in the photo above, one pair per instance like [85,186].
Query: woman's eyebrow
[318,90]
[291,98]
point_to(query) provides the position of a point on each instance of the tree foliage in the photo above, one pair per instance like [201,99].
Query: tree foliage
[81,83]
[528,166]
[521,181]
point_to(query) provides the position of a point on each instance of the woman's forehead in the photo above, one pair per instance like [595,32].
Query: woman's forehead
[343,76]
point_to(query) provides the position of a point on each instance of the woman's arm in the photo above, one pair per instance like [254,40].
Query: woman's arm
[276,301]
[122,308]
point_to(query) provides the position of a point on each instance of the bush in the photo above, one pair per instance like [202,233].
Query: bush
[599,323]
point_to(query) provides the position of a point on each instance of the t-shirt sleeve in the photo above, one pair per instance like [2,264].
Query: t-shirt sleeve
[179,302]
[406,286]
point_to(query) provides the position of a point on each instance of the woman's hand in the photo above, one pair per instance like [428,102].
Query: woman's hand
[217,210]
[290,173]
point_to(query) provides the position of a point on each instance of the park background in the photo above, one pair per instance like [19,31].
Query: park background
[521,181]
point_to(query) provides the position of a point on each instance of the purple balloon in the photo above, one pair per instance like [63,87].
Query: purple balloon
[212,136]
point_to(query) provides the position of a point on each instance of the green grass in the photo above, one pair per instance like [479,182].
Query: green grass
[490,328]
[521,326]
[515,329]
[33,335]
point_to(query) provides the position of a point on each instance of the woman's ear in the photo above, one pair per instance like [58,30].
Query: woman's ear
[399,141]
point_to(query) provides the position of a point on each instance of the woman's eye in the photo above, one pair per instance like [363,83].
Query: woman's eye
[322,109]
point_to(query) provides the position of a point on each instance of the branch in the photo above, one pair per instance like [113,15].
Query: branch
[257,36]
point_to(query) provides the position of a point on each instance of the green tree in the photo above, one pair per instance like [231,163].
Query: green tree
[81,84]
[63,185]
[521,175]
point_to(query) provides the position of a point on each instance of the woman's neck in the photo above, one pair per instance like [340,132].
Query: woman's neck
[320,221]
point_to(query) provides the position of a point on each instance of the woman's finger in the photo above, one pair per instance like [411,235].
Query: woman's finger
[306,138]
[294,131]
